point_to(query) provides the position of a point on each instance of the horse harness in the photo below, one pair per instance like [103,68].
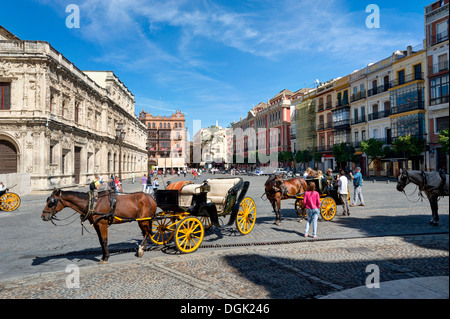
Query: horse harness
[283,190]
[441,185]
[424,186]
[92,203]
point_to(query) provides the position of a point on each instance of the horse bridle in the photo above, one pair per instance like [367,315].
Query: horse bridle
[53,203]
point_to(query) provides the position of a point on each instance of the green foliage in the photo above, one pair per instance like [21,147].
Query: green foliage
[344,153]
[443,140]
[408,145]
[285,156]
[374,149]
[303,156]
[317,157]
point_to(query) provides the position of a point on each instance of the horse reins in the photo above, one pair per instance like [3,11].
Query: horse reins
[417,186]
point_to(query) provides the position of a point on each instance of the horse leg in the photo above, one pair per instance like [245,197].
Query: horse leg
[434,211]
[102,232]
[145,228]
[274,209]
[277,210]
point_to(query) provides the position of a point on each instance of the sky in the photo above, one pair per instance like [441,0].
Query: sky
[215,60]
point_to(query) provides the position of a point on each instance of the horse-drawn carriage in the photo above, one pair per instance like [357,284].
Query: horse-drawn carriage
[188,209]
[329,199]
[9,201]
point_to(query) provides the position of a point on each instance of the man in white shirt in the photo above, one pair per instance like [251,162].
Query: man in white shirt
[343,192]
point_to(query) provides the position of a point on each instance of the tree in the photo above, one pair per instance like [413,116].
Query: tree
[303,156]
[344,153]
[285,156]
[443,140]
[408,145]
[374,149]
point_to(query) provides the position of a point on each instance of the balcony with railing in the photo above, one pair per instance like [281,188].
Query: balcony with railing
[437,68]
[324,148]
[438,38]
[379,115]
[342,103]
[407,79]
[379,89]
[329,105]
[358,96]
[412,106]
[359,120]
[320,108]
[320,126]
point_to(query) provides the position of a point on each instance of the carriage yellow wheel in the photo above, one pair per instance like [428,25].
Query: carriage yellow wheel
[246,216]
[9,202]
[328,208]
[162,230]
[206,221]
[189,234]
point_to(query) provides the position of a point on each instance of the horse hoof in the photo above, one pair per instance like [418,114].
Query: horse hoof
[278,223]
[102,262]
[140,252]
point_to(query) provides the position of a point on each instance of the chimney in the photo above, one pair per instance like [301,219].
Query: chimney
[408,50]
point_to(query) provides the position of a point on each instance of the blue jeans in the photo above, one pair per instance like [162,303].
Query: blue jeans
[313,215]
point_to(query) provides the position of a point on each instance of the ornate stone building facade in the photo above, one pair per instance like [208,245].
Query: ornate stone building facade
[59,123]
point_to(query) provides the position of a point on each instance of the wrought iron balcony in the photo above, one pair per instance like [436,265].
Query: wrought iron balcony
[379,89]
[406,79]
[437,68]
[359,120]
[438,38]
[358,96]
[379,115]
[412,106]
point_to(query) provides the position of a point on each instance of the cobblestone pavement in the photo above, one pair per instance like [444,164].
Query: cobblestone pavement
[303,270]
[391,231]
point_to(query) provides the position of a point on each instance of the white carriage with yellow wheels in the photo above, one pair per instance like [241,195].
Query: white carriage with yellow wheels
[189,209]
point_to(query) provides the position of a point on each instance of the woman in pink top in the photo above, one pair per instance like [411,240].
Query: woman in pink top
[311,201]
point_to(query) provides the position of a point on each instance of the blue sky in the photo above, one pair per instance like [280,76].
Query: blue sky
[214,60]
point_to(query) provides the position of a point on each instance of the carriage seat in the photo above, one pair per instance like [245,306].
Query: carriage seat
[187,193]
[219,190]
[191,189]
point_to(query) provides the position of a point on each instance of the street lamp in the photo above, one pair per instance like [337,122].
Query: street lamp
[120,136]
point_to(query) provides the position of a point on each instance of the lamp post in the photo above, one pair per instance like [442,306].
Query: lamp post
[120,136]
[165,163]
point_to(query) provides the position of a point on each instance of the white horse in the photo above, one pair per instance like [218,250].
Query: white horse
[432,184]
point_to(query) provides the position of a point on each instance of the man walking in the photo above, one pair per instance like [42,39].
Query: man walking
[343,182]
[357,184]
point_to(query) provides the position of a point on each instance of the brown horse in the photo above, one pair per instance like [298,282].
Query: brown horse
[130,207]
[277,189]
